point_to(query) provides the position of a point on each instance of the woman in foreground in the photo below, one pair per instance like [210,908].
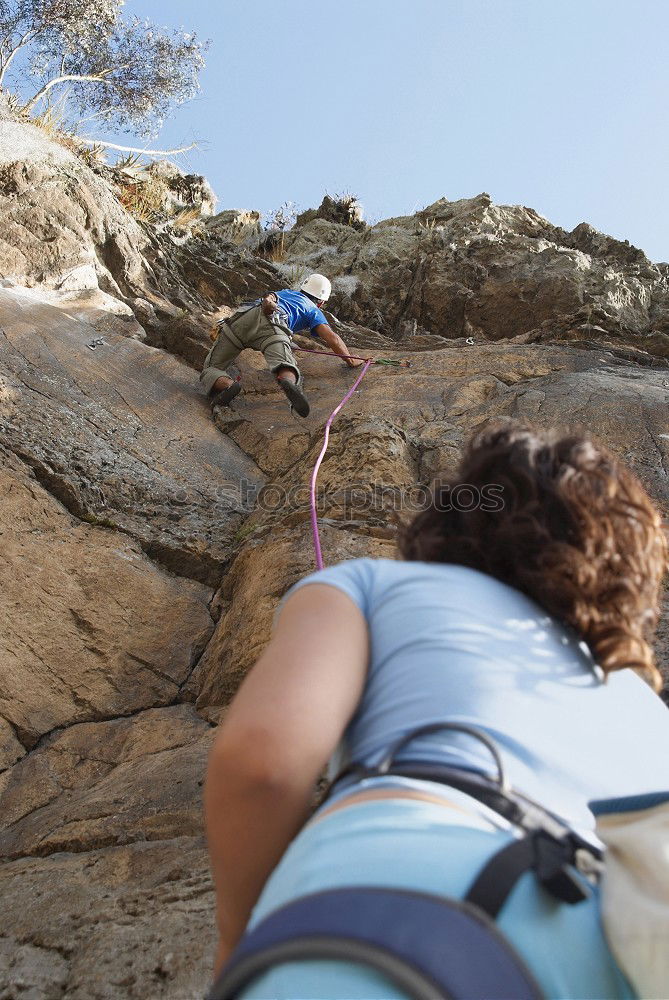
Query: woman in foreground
[529,620]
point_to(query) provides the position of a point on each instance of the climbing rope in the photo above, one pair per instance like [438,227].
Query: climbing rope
[354,357]
[314,474]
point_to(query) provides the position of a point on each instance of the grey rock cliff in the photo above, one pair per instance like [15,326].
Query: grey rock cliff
[494,272]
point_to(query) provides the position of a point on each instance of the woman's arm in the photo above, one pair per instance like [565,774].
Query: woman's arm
[282,726]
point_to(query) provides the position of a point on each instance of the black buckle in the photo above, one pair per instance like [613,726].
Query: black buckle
[553,863]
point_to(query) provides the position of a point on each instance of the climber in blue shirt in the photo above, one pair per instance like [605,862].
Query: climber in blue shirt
[298,311]
[267,325]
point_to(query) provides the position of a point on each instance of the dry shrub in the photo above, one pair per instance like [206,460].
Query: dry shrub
[185,221]
[143,198]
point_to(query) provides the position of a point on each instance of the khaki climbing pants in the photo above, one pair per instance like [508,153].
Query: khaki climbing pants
[248,329]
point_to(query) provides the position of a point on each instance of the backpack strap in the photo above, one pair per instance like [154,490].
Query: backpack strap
[422,943]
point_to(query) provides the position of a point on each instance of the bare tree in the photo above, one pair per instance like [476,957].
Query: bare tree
[125,72]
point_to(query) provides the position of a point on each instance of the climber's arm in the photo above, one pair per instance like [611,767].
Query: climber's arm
[334,342]
[280,730]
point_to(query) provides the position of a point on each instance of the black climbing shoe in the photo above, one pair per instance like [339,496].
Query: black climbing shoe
[298,401]
[225,396]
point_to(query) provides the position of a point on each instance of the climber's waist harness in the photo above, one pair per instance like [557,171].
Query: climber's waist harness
[268,306]
[429,946]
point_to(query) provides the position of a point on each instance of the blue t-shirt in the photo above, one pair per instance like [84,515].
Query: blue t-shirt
[298,312]
[448,642]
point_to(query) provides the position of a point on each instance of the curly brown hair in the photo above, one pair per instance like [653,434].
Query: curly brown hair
[575,530]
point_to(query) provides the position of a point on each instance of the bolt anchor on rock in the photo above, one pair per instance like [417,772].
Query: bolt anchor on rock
[94,344]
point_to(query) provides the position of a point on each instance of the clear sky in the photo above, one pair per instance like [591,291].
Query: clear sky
[560,105]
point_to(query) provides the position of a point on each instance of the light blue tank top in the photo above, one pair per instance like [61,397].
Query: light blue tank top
[448,642]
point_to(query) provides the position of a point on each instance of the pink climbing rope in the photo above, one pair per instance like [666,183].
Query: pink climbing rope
[314,474]
[329,354]
[354,357]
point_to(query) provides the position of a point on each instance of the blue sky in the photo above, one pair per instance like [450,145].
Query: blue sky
[560,105]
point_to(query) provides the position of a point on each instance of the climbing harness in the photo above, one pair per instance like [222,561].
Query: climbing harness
[549,847]
[431,947]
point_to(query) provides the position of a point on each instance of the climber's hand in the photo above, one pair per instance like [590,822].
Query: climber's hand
[269,304]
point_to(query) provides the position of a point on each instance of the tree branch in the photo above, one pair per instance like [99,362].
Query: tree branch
[5,42]
[7,62]
[96,114]
[114,69]
[67,77]
[135,149]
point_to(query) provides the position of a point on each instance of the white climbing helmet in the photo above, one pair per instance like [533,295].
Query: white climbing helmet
[318,286]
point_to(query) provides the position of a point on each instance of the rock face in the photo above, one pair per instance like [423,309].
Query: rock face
[126,635]
[61,224]
[345,210]
[380,450]
[236,226]
[123,455]
[59,797]
[183,191]
[64,228]
[146,547]
[128,921]
[472,268]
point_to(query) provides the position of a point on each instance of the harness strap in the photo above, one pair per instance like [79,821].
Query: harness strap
[225,330]
[464,781]
[549,847]
[541,853]
[424,944]
[498,794]
[277,338]
[509,803]
[242,311]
